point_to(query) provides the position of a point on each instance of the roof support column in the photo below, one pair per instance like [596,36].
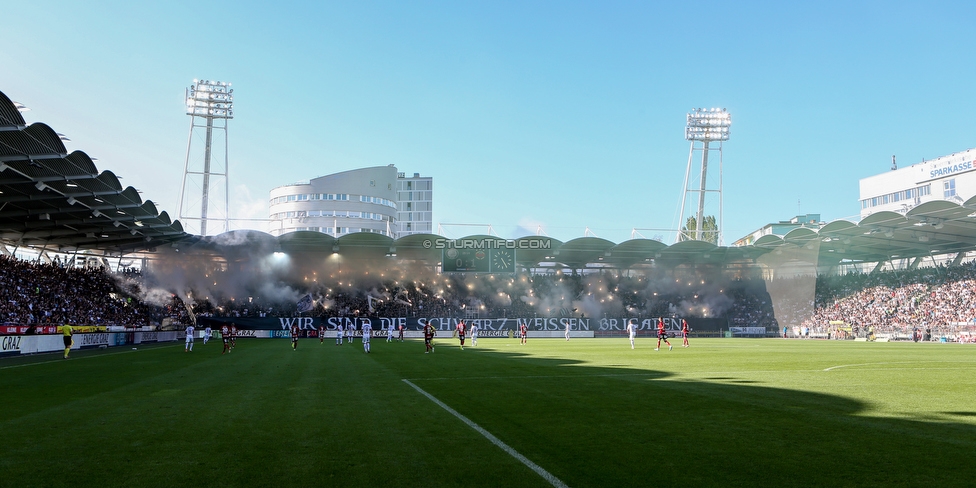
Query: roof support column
[915,262]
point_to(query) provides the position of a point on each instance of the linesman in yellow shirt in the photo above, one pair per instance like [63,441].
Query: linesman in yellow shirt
[66,330]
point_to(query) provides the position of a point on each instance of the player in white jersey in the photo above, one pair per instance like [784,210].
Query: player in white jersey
[389,333]
[632,331]
[189,338]
[207,333]
[474,334]
[367,332]
[567,330]
[339,335]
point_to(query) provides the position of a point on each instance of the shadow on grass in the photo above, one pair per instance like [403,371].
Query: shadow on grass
[613,426]
[338,417]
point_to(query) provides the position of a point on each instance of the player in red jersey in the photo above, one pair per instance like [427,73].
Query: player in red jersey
[429,338]
[401,333]
[294,337]
[684,332]
[662,334]
[321,334]
[225,335]
[523,331]
[460,332]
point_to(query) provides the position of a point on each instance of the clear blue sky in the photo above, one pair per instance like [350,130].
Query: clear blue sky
[562,114]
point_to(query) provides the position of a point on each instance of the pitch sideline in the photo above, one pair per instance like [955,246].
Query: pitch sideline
[554,481]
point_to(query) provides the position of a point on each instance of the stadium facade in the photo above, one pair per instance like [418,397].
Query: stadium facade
[950,178]
[377,200]
[415,204]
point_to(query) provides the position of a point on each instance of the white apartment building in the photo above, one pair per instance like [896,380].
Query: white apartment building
[378,199]
[414,204]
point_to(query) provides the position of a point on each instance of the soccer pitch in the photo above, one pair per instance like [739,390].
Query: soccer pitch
[588,412]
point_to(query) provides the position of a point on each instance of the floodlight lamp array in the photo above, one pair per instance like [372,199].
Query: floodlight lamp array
[213,99]
[708,125]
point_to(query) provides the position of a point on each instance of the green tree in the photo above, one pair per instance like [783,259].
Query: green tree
[709,230]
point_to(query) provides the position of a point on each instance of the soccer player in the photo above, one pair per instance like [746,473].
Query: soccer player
[66,330]
[225,335]
[206,335]
[294,337]
[389,333]
[189,338]
[684,333]
[460,332]
[631,331]
[429,338]
[662,334]
[322,334]
[523,331]
[233,335]
[474,334]
[339,335]
[567,330]
[401,333]
[367,334]
[350,333]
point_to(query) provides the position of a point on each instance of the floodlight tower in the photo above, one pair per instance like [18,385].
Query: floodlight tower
[206,102]
[705,126]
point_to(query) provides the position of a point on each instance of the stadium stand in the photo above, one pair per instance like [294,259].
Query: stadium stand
[59,202]
[53,294]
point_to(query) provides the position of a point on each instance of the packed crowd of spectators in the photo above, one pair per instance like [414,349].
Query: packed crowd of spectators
[940,300]
[594,295]
[35,293]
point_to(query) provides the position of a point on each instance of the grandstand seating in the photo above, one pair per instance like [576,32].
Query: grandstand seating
[941,300]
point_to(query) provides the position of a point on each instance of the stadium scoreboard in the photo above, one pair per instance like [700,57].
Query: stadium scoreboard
[477,260]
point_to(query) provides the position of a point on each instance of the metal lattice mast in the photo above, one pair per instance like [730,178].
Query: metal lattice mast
[704,126]
[210,105]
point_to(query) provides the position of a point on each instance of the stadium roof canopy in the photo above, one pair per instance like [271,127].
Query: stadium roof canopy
[58,201]
[53,200]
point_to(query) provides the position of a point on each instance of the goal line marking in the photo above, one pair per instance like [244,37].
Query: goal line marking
[554,481]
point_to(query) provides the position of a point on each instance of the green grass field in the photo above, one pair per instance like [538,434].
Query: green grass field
[591,412]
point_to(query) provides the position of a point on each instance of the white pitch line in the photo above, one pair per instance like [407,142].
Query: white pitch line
[554,481]
[897,362]
[850,366]
[573,376]
[63,360]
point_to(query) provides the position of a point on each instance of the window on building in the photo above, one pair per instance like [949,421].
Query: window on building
[949,188]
